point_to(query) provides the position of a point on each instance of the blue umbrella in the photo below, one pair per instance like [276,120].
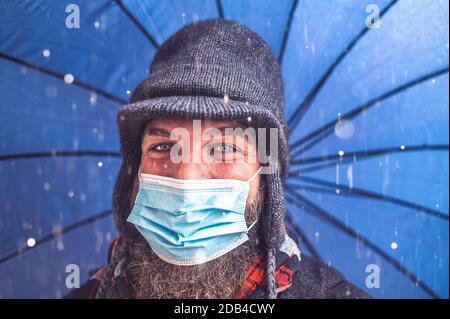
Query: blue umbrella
[366,103]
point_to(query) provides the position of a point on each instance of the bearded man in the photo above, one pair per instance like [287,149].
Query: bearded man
[198,201]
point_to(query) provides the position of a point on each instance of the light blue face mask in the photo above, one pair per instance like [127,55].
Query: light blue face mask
[190,222]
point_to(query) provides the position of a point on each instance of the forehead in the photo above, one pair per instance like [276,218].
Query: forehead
[170,124]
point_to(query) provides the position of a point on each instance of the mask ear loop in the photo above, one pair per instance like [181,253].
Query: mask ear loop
[249,181]
[139,175]
[254,175]
[253,224]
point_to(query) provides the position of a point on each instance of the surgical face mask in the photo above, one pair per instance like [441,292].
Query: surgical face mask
[190,222]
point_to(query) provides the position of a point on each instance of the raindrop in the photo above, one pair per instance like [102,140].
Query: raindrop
[93,99]
[100,164]
[57,231]
[51,91]
[83,197]
[31,242]
[350,176]
[317,236]
[96,24]
[26,225]
[76,144]
[394,245]
[402,147]
[249,119]
[128,92]
[70,194]
[60,245]
[195,17]
[433,81]
[46,186]
[69,78]
[344,129]
[341,153]
[337,191]
[46,53]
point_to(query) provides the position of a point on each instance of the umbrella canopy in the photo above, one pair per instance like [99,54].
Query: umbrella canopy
[366,103]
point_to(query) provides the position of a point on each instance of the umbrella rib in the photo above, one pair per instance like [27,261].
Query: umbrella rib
[371,153]
[360,192]
[365,155]
[219,8]
[301,110]
[52,236]
[287,30]
[325,216]
[137,24]
[302,236]
[327,129]
[18,156]
[61,77]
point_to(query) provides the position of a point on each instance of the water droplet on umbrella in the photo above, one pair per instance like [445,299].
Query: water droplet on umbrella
[128,92]
[46,186]
[344,129]
[31,242]
[341,153]
[46,53]
[69,78]
[70,194]
[402,147]
[394,245]
[96,24]
[100,164]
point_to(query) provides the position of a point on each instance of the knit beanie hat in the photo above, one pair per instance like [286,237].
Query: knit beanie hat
[213,69]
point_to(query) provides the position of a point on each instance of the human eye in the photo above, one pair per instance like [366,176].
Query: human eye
[225,148]
[161,147]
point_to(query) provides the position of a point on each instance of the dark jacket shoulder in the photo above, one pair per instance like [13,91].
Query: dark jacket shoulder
[316,280]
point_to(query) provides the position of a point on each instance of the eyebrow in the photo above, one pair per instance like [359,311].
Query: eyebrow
[225,130]
[157,132]
[154,131]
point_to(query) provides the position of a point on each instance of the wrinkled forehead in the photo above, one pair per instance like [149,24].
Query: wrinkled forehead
[199,128]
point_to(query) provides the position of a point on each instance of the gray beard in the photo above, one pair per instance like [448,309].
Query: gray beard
[153,278]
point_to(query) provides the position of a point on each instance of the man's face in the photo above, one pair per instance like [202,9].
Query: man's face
[212,156]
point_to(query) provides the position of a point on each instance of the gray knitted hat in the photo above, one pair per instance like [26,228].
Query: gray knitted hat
[189,77]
